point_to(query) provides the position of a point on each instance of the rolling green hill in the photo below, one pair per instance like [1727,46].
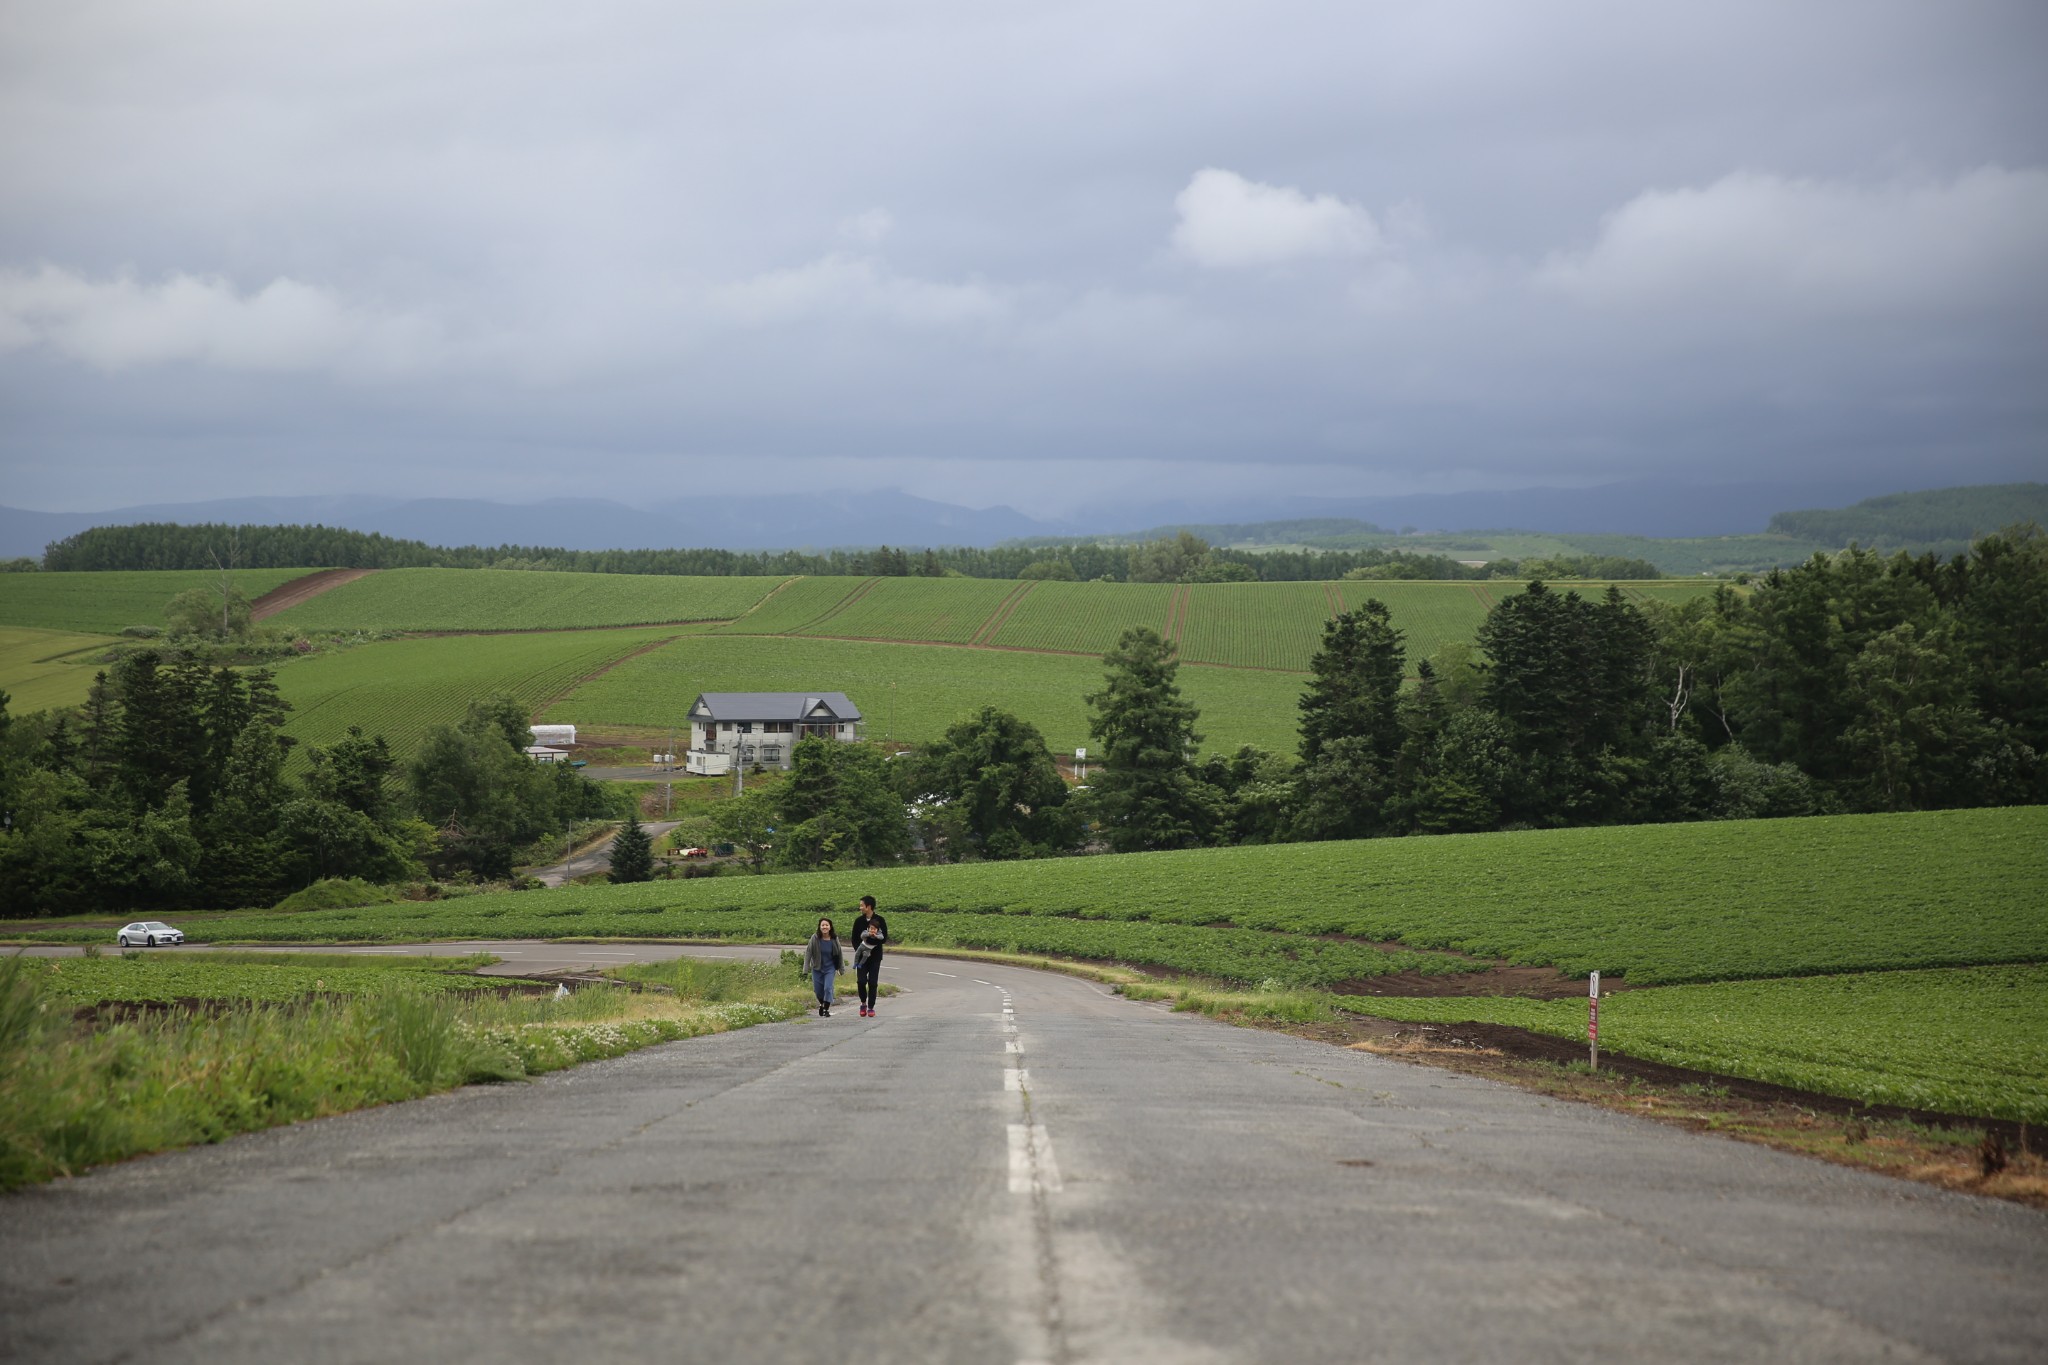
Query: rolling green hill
[108,603]
[496,599]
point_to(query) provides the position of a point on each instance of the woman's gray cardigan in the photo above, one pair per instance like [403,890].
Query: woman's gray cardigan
[822,952]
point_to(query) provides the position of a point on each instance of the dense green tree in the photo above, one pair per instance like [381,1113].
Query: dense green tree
[1354,687]
[1147,794]
[999,774]
[632,853]
[208,614]
[838,808]
[747,822]
[1257,791]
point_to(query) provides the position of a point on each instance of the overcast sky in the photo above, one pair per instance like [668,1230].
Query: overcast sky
[1034,254]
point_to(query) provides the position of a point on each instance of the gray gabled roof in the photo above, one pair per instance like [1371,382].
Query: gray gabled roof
[792,706]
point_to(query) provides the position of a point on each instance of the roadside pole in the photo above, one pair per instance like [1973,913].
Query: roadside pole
[1080,765]
[1593,1019]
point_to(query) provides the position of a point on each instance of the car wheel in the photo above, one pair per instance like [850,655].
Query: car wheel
[149,942]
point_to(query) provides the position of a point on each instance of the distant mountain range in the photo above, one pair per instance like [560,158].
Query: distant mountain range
[819,521]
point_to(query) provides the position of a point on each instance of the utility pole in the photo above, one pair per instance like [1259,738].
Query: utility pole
[889,731]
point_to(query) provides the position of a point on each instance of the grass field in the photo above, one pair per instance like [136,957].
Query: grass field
[1971,1040]
[492,599]
[45,668]
[934,685]
[108,603]
[400,688]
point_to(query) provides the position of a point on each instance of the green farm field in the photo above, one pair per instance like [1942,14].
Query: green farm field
[44,668]
[934,685]
[941,610]
[401,688]
[108,603]
[495,599]
[1655,904]
[1966,1040]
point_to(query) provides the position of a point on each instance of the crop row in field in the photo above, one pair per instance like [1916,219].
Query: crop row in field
[108,603]
[1656,904]
[944,610]
[798,605]
[1083,618]
[1957,1040]
[401,688]
[44,668]
[1244,625]
[264,977]
[912,693]
[494,599]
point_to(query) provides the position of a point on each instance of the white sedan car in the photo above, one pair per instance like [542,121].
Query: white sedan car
[148,933]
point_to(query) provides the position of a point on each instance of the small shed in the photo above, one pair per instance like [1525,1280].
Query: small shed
[556,735]
[541,753]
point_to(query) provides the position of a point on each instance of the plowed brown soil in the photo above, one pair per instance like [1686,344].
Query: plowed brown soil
[301,589]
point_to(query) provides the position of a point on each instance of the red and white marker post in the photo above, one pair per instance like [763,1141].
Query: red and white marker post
[1593,1019]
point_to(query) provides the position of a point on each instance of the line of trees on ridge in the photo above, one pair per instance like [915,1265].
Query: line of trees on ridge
[1183,558]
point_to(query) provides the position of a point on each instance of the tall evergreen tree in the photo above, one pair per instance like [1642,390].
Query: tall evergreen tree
[1146,789]
[1350,727]
[632,853]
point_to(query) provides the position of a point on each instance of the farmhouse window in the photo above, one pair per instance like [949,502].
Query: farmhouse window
[771,753]
[777,727]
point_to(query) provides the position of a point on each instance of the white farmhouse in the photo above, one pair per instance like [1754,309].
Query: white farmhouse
[762,727]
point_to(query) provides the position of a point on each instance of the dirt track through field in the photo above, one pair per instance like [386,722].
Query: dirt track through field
[286,595]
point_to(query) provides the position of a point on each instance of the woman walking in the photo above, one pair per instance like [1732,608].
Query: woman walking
[824,961]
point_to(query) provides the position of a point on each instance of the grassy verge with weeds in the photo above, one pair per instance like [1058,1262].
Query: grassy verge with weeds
[76,1094]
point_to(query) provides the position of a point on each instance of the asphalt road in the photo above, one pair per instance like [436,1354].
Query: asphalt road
[597,858]
[1006,1166]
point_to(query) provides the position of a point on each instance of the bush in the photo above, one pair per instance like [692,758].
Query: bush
[340,893]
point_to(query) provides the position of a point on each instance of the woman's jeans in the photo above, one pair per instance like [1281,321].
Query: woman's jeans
[821,983]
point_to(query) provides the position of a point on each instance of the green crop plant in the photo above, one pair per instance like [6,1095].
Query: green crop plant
[495,599]
[943,610]
[108,603]
[400,688]
[45,668]
[1651,903]
[797,605]
[1957,1040]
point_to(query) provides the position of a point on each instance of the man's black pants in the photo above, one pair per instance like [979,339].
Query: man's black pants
[867,975]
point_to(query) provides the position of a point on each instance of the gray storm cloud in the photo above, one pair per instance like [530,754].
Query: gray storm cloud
[1032,256]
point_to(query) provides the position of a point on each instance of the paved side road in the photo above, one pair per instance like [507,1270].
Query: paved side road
[1008,1166]
[597,858]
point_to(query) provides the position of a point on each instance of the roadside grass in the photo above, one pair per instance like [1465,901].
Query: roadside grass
[80,1093]
[1965,1041]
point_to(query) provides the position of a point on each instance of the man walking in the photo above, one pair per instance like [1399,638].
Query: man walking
[870,932]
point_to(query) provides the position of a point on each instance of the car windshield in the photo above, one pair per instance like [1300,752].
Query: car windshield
[156,924]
